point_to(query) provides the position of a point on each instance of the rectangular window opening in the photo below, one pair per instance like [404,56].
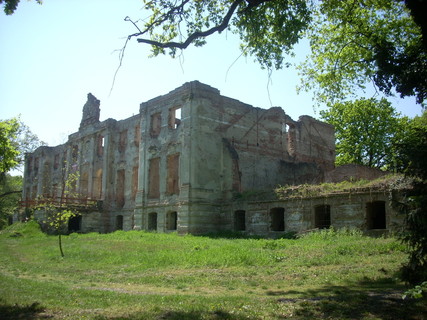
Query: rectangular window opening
[123,140]
[172,220]
[277,219]
[120,188]
[239,220]
[322,216]
[174,117]
[56,162]
[101,144]
[173,174]
[154,179]
[152,221]
[376,215]
[156,122]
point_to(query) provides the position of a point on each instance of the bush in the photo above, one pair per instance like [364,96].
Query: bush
[25,229]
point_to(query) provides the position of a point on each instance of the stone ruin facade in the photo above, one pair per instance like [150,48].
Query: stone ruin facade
[194,161]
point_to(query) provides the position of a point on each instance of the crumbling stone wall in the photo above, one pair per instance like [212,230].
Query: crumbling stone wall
[180,163]
[370,211]
[105,157]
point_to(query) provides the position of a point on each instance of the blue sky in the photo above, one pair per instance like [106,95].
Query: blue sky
[53,55]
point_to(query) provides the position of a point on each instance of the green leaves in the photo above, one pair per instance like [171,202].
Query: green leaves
[268,29]
[365,132]
[8,147]
[355,43]
[416,292]
[16,139]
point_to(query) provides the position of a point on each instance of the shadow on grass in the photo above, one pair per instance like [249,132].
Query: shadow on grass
[27,312]
[366,299]
[244,235]
[181,315]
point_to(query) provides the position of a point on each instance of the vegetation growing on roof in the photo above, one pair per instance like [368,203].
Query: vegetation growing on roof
[388,182]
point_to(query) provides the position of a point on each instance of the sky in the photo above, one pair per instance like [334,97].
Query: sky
[52,55]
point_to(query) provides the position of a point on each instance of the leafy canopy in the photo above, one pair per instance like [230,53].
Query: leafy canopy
[413,147]
[267,29]
[413,153]
[354,43]
[16,139]
[365,132]
[9,153]
[10,6]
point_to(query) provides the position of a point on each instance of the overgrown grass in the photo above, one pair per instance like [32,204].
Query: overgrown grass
[387,182]
[333,274]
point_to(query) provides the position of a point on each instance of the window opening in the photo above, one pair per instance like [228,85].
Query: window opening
[174,117]
[239,220]
[120,188]
[119,222]
[56,162]
[172,184]
[75,223]
[291,136]
[277,219]
[101,142]
[36,165]
[122,140]
[97,184]
[46,179]
[171,220]
[152,221]
[75,153]
[134,182]
[156,122]
[29,165]
[84,184]
[137,135]
[154,180]
[322,216]
[376,215]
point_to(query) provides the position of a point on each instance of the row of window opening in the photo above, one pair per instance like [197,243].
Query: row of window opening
[173,122]
[375,217]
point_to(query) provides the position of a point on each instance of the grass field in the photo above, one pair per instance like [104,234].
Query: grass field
[139,275]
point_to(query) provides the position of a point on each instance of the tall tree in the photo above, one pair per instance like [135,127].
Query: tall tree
[354,42]
[413,153]
[9,153]
[365,132]
[357,43]
[10,194]
[16,139]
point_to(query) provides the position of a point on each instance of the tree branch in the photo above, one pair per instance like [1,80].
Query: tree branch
[9,192]
[198,34]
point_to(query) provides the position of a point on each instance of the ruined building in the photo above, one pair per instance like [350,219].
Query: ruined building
[194,161]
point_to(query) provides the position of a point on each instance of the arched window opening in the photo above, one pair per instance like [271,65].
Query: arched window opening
[277,219]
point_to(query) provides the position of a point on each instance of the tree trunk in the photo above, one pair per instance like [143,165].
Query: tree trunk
[60,245]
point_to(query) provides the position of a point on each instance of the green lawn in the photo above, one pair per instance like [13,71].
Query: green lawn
[140,275]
